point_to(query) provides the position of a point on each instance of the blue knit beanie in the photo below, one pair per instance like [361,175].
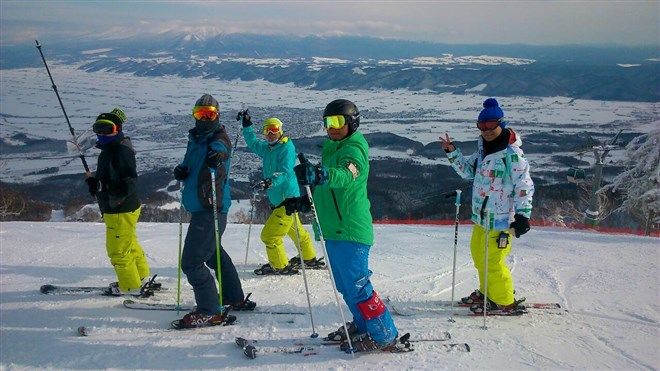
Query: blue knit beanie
[491,111]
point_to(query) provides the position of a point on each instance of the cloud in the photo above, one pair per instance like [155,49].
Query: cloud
[504,22]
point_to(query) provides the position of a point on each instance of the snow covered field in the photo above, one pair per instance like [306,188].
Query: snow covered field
[608,284]
[29,107]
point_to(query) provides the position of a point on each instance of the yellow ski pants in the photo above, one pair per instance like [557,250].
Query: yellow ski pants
[500,283]
[124,250]
[277,226]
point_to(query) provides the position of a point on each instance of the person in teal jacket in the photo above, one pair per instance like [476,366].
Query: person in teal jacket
[208,148]
[344,212]
[279,181]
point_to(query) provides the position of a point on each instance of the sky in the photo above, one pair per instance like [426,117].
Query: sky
[542,22]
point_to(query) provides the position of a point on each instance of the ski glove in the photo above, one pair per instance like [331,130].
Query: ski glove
[93,185]
[245,118]
[312,175]
[520,225]
[262,185]
[181,172]
[213,159]
[300,204]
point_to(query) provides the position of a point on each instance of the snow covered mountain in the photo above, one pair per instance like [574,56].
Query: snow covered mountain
[607,283]
[628,74]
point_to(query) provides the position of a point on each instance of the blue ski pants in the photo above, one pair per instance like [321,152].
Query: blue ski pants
[199,258]
[350,266]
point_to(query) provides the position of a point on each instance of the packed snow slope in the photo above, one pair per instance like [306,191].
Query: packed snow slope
[607,283]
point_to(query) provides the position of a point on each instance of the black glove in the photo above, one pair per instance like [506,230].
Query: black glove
[262,185]
[300,204]
[245,118]
[181,172]
[213,159]
[520,224]
[309,174]
[93,185]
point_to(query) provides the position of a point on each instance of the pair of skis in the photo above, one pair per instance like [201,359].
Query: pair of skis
[443,307]
[146,291]
[250,349]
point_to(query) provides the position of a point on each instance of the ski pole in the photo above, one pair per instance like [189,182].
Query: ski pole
[218,271]
[302,264]
[73,133]
[178,273]
[253,200]
[301,158]
[484,210]
[457,202]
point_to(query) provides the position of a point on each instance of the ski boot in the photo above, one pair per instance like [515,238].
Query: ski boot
[268,269]
[514,309]
[246,304]
[475,297]
[113,290]
[312,263]
[151,284]
[340,334]
[195,319]
[364,343]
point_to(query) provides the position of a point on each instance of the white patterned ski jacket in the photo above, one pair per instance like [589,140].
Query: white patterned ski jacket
[503,176]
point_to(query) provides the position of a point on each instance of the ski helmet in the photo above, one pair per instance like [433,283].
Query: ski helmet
[208,101]
[109,123]
[272,123]
[347,109]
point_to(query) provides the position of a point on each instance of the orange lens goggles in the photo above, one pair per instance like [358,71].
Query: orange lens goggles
[488,125]
[104,127]
[273,129]
[334,122]
[205,113]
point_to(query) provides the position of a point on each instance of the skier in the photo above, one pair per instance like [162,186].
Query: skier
[279,181]
[114,187]
[208,148]
[340,197]
[502,186]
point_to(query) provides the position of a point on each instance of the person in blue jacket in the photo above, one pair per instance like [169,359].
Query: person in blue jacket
[208,148]
[280,183]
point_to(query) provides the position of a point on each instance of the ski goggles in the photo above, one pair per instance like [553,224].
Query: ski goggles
[488,125]
[335,122]
[272,129]
[104,127]
[205,113]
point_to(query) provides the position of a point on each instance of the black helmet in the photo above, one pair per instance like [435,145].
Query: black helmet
[345,108]
[207,100]
[203,125]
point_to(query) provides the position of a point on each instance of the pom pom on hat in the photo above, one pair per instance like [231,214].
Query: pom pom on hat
[491,111]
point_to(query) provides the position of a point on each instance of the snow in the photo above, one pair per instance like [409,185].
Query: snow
[608,284]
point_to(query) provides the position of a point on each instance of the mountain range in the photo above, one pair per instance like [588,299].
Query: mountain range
[600,73]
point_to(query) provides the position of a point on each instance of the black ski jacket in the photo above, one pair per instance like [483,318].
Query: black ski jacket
[118,177]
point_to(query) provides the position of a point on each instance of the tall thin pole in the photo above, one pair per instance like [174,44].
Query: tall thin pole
[253,200]
[73,134]
[301,158]
[457,202]
[218,271]
[302,264]
[178,272]
[484,211]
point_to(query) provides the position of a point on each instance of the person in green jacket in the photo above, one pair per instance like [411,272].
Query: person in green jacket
[344,213]
[279,181]
[114,186]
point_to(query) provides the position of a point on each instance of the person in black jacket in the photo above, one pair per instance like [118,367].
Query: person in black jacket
[114,187]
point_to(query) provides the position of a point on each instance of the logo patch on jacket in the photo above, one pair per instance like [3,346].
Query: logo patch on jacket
[353,169]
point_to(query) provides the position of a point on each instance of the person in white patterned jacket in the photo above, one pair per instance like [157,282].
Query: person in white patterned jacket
[502,193]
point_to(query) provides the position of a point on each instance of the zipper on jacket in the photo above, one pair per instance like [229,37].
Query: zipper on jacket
[334,199]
